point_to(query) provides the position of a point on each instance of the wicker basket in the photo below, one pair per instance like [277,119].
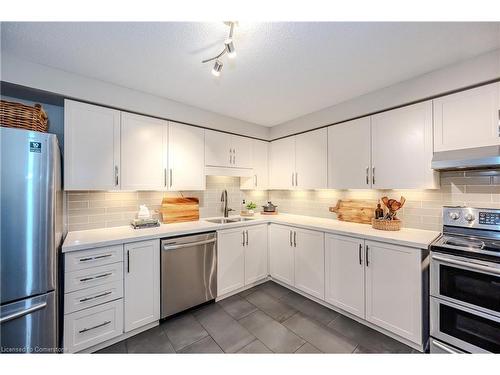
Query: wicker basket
[386,224]
[21,116]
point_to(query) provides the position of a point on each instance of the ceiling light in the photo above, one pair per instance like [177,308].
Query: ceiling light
[217,68]
[228,48]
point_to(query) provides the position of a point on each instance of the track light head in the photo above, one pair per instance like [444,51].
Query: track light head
[231,52]
[217,68]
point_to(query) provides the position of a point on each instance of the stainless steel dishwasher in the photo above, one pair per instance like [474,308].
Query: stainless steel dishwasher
[188,272]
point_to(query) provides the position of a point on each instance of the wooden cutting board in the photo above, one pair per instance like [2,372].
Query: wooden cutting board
[177,210]
[355,211]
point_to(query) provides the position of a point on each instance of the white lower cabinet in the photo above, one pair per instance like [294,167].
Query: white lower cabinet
[309,264]
[394,289]
[281,254]
[256,253]
[142,283]
[345,273]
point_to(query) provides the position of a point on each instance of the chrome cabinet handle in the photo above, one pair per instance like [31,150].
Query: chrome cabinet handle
[373,175]
[366,256]
[22,313]
[360,249]
[296,179]
[88,259]
[128,261]
[291,244]
[367,176]
[230,156]
[171,178]
[292,180]
[243,235]
[234,156]
[255,177]
[116,175]
[94,327]
[165,177]
[247,237]
[294,239]
[85,279]
[94,297]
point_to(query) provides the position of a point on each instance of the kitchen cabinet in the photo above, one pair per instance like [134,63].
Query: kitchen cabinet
[230,260]
[282,163]
[91,147]
[349,155]
[260,165]
[467,119]
[402,148]
[256,255]
[394,289]
[227,150]
[143,152]
[186,157]
[281,254]
[309,263]
[345,273]
[311,154]
[141,283]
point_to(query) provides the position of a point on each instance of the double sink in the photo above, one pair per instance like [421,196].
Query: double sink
[227,220]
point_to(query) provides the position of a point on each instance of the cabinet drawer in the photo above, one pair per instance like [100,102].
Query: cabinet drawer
[91,277]
[100,256]
[82,299]
[92,326]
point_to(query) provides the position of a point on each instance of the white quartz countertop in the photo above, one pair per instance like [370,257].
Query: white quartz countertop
[85,239]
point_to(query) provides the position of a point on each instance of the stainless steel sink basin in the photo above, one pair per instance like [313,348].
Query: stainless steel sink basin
[226,220]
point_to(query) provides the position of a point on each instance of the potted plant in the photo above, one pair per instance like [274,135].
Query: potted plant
[251,206]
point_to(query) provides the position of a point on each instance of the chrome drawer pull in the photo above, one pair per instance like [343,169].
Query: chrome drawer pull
[94,297]
[95,258]
[96,277]
[97,326]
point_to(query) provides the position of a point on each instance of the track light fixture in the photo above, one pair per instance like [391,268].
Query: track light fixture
[228,48]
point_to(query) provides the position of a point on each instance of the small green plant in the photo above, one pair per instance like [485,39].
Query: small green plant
[251,206]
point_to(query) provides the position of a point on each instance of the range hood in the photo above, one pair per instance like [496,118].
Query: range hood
[470,158]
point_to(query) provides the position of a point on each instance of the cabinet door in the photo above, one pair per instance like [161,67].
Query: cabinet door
[282,163]
[91,147]
[402,148]
[394,289]
[143,152]
[242,152]
[260,159]
[345,273]
[186,157]
[256,257]
[309,262]
[142,283]
[218,149]
[467,119]
[281,254]
[311,155]
[230,260]
[349,155]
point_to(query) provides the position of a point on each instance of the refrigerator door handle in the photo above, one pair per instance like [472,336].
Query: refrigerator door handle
[22,313]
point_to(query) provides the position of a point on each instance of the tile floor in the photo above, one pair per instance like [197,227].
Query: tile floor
[265,319]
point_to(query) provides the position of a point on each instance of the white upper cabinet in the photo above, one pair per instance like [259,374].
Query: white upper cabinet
[345,273]
[91,147]
[394,289]
[467,119]
[402,148]
[281,254]
[260,164]
[142,284]
[311,154]
[349,155]
[282,163]
[143,152]
[186,157]
[226,150]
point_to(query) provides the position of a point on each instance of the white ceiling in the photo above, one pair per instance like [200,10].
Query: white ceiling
[282,70]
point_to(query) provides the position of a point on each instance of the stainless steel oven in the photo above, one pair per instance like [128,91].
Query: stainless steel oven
[465,283]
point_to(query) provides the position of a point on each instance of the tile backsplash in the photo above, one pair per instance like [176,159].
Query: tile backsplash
[96,209]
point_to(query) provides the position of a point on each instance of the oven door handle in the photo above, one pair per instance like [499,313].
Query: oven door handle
[470,265]
[188,244]
[445,348]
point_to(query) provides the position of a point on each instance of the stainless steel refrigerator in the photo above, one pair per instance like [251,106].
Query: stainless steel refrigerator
[31,232]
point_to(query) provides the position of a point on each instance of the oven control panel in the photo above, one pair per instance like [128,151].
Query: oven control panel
[481,218]
[489,218]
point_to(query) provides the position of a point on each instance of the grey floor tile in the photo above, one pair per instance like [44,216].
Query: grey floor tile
[307,349]
[273,334]
[118,348]
[255,347]
[248,291]
[237,306]
[314,310]
[271,306]
[326,340]
[293,299]
[274,289]
[183,331]
[230,335]
[205,346]
[368,339]
[154,340]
